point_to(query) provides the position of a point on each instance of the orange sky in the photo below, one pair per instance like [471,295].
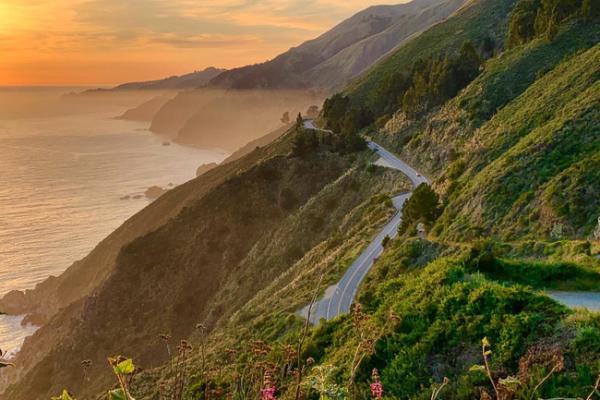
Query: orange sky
[52,42]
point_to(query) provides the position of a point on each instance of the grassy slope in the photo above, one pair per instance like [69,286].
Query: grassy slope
[476,20]
[446,306]
[438,139]
[523,151]
[282,285]
[446,297]
[540,130]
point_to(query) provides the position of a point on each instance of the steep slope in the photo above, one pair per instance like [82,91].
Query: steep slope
[542,138]
[516,156]
[203,263]
[438,138]
[147,110]
[474,22]
[243,115]
[228,119]
[197,117]
[172,116]
[344,51]
[64,294]
[358,57]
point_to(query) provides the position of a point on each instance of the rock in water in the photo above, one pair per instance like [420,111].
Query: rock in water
[154,192]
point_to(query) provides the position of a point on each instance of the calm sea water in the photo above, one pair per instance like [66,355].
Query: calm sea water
[63,180]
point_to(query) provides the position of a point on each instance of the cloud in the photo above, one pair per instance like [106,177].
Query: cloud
[206,41]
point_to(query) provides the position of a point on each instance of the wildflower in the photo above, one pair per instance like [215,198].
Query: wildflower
[269,389]
[376,385]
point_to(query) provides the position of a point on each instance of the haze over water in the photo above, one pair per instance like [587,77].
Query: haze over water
[62,183]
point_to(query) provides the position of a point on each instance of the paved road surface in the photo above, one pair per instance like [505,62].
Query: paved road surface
[339,297]
[589,300]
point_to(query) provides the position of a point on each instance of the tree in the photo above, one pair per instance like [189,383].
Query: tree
[305,141]
[388,94]
[299,122]
[423,206]
[334,111]
[356,119]
[354,143]
[285,118]
[312,112]
[521,27]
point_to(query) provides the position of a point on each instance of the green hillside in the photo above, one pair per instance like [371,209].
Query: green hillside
[522,151]
[475,22]
[207,298]
[515,155]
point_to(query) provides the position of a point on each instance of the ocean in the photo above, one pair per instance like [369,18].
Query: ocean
[70,174]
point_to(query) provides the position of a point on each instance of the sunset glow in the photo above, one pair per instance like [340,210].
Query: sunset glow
[111,41]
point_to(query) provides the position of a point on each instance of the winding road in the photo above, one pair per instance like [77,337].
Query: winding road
[339,297]
[589,300]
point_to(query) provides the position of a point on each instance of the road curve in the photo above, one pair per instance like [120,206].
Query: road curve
[339,297]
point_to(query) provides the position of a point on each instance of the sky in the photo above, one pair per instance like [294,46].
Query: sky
[81,42]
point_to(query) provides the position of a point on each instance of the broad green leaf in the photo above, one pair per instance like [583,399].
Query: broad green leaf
[125,367]
[117,394]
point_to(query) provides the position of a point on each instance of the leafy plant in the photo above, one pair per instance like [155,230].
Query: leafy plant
[124,370]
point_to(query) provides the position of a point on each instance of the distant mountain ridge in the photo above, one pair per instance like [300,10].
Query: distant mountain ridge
[322,64]
[343,52]
[192,80]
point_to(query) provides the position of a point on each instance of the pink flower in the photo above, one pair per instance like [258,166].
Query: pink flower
[377,390]
[376,386]
[268,393]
